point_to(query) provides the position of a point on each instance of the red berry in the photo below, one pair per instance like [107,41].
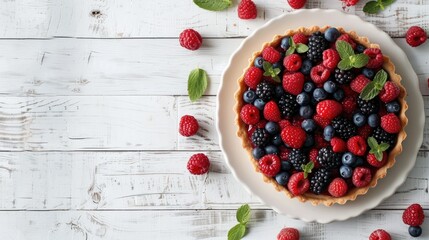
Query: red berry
[416,36]
[296,4]
[249,114]
[345,37]
[293,136]
[253,77]
[375,57]
[300,38]
[284,153]
[359,83]
[380,234]
[272,112]
[349,105]
[297,184]
[198,164]
[293,83]
[284,123]
[357,145]
[312,156]
[348,92]
[373,161]
[329,109]
[320,74]
[247,10]
[338,145]
[271,55]
[338,187]
[331,58]
[190,39]
[288,234]
[319,142]
[323,122]
[389,92]
[365,131]
[361,177]
[270,165]
[391,123]
[414,215]
[349,3]
[292,62]
[188,126]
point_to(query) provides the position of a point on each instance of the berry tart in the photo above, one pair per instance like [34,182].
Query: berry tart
[321,113]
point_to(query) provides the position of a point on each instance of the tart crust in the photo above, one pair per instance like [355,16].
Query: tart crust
[327,200]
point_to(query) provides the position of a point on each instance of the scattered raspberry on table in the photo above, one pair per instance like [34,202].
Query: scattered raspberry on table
[190,39]
[198,164]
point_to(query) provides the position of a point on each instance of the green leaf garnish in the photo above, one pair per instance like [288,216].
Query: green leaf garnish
[243,217]
[344,49]
[307,168]
[270,71]
[377,149]
[213,5]
[243,214]
[373,88]
[349,59]
[345,64]
[197,83]
[360,60]
[237,232]
[373,7]
[299,48]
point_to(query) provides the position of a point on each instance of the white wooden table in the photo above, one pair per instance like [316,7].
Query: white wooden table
[90,96]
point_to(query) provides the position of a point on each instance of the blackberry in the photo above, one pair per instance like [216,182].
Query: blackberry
[297,158]
[367,107]
[343,76]
[320,181]
[316,45]
[328,158]
[344,128]
[265,91]
[382,136]
[288,105]
[260,137]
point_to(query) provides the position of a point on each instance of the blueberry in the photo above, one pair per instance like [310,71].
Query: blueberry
[278,65]
[348,159]
[339,95]
[249,96]
[415,231]
[346,171]
[259,61]
[330,86]
[359,119]
[309,87]
[369,73]
[279,91]
[308,125]
[259,103]
[306,67]
[360,48]
[393,107]
[319,94]
[306,111]
[373,120]
[286,166]
[328,133]
[309,141]
[271,149]
[258,152]
[277,140]
[359,162]
[272,128]
[285,43]
[282,178]
[332,34]
[303,99]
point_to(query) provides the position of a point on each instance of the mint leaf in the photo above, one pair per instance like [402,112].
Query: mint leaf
[384,146]
[237,232]
[360,60]
[379,156]
[197,84]
[277,71]
[373,88]
[292,43]
[276,79]
[387,2]
[307,168]
[380,78]
[344,49]
[372,7]
[213,5]
[377,149]
[266,66]
[372,143]
[290,51]
[243,214]
[301,48]
[345,64]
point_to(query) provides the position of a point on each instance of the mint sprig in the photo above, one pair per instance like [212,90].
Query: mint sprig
[373,7]
[377,149]
[348,57]
[270,71]
[243,217]
[307,168]
[299,48]
[213,5]
[197,84]
[372,89]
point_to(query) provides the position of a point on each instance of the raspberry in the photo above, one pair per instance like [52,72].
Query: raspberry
[292,62]
[323,122]
[319,142]
[300,38]
[331,58]
[312,156]
[271,55]
[413,215]
[365,131]
[380,234]
[349,105]
[389,92]
[293,83]
[391,123]
[359,83]
[319,74]
[296,4]
[272,112]
[284,123]
[293,136]
[338,187]
[198,164]
[270,165]
[329,109]
[288,234]
[298,184]
[249,114]
[349,3]
[345,37]
[357,145]
[373,161]
[188,126]
[416,36]
[361,177]
[190,39]
[253,77]
[247,10]
[375,57]
[338,145]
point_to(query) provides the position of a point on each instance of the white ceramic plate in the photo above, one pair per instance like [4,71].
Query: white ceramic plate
[237,158]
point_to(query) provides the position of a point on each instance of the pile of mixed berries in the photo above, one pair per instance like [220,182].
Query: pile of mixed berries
[322,113]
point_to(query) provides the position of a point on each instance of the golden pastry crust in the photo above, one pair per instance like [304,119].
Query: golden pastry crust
[379,174]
